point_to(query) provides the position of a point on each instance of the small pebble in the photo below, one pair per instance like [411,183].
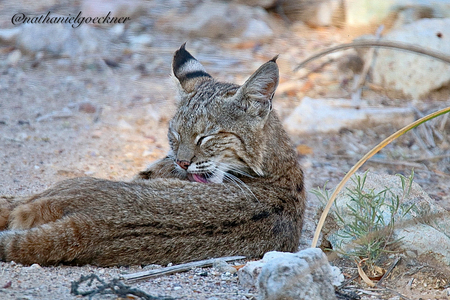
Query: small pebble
[87,107]
[14,57]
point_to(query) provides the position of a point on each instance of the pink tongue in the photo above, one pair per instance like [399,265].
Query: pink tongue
[199,178]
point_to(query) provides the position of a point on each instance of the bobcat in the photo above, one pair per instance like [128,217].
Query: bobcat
[230,185]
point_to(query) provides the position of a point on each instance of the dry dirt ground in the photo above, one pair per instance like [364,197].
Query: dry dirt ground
[106,116]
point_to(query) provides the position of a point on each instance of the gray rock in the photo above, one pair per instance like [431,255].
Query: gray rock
[9,35]
[118,8]
[302,275]
[248,275]
[219,20]
[425,229]
[59,39]
[54,39]
[331,115]
[257,29]
[14,57]
[223,267]
[412,74]
[140,41]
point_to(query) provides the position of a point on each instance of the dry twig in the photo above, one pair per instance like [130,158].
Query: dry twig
[382,44]
[388,271]
[114,287]
[177,268]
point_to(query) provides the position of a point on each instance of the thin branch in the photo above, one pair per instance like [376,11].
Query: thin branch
[114,287]
[368,64]
[382,44]
[444,121]
[397,163]
[421,143]
[428,158]
[177,268]
[388,271]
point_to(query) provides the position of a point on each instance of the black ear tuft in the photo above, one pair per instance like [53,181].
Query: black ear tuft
[180,58]
[186,68]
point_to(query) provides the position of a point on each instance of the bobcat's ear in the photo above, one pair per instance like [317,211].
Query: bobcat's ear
[257,92]
[187,69]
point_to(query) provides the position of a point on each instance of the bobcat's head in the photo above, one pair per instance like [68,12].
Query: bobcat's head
[219,130]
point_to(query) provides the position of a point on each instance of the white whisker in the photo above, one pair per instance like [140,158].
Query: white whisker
[239,183]
[234,168]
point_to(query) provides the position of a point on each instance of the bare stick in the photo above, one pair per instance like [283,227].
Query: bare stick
[444,121]
[389,270]
[421,143]
[370,58]
[397,163]
[427,130]
[177,268]
[434,157]
[381,44]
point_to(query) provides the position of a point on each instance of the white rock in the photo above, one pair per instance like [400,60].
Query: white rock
[363,13]
[412,74]
[331,115]
[224,267]
[9,35]
[141,40]
[248,275]
[59,39]
[118,8]
[117,30]
[32,268]
[14,57]
[337,278]
[422,239]
[124,125]
[302,275]
[257,29]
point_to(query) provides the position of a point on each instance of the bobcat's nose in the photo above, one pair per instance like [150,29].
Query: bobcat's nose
[184,164]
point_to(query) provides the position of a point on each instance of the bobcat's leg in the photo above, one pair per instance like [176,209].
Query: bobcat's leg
[7,205]
[35,213]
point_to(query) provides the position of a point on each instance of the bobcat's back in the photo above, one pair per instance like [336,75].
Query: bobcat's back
[230,185]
